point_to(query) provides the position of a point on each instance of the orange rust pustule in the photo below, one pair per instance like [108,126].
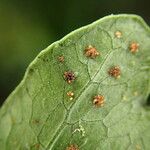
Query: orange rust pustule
[115,72]
[61,59]
[72,147]
[91,52]
[69,76]
[134,47]
[70,94]
[98,100]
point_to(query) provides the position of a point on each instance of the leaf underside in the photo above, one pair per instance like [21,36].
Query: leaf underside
[39,114]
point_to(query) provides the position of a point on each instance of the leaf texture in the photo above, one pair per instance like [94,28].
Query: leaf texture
[41,115]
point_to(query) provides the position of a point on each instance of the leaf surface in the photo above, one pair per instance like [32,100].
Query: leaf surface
[39,114]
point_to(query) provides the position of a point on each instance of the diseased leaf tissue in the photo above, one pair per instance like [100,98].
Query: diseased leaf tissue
[87,91]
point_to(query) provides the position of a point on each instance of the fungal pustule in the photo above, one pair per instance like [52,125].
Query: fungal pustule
[118,34]
[72,147]
[69,76]
[134,47]
[91,52]
[70,94]
[98,100]
[115,72]
[61,58]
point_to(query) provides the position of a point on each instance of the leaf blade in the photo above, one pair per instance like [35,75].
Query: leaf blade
[40,110]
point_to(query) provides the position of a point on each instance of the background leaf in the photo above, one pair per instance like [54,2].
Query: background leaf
[40,115]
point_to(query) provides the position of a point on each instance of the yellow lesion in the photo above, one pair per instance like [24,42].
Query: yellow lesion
[138,147]
[124,98]
[118,34]
[70,94]
[135,93]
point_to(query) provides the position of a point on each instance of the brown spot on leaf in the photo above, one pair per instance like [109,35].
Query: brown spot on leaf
[91,52]
[36,121]
[115,72]
[118,34]
[37,146]
[134,46]
[61,58]
[72,147]
[69,76]
[98,100]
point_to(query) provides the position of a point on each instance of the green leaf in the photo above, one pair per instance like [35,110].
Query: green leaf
[106,63]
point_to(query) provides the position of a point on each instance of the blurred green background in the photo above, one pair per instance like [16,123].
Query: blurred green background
[27,27]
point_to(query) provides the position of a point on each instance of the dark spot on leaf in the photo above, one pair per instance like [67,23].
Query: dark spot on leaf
[115,72]
[69,76]
[36,121]
[72,147]
[91,52]
[45,59]
[148,100]
[31,70]
[39,57]
[134,46]
[98,100]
